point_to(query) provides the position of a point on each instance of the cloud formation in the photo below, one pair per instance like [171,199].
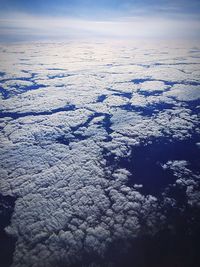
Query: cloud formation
[56,141]
[105,19]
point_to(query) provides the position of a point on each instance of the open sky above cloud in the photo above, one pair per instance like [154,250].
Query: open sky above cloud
[24,20]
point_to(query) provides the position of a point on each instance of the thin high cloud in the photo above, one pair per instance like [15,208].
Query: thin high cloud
[86,19]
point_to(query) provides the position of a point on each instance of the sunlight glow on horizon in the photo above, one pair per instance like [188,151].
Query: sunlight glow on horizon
[108,21]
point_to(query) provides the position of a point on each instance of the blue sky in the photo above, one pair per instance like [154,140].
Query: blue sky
[22,19]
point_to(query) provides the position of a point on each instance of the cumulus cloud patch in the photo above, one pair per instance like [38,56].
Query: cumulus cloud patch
[182,93]
[55,141]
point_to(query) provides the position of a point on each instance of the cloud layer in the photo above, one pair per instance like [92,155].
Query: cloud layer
[99,19]
[67,108]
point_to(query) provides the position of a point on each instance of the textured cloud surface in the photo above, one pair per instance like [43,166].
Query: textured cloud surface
[71,115]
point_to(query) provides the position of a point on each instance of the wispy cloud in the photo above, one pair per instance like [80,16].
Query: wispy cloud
[85,18]
[24,26]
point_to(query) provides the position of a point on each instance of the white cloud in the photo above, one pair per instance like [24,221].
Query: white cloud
[185,92]
[186,179]
[21,25]
[149,86]
[69,197]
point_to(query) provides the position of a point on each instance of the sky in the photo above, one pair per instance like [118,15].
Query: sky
[127,19]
